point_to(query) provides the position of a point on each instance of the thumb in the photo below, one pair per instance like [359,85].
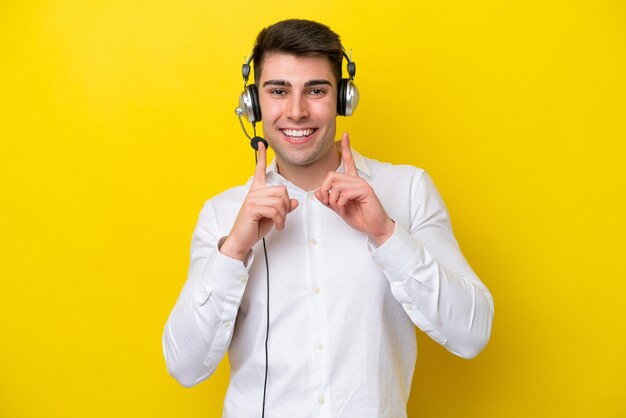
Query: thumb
[294,205]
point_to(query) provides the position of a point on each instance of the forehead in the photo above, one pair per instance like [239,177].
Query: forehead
[295,69]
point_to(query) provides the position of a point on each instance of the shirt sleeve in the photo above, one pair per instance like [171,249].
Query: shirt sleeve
[200,327]
[430,277]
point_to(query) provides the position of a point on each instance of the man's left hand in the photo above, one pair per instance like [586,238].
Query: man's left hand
[352,198]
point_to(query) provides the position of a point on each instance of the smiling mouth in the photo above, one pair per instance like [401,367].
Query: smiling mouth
[298,134]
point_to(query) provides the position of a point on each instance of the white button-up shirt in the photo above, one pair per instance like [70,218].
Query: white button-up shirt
[342,312]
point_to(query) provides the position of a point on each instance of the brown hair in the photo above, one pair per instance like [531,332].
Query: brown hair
[301,38]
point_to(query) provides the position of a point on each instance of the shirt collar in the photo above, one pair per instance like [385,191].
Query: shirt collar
[359,161]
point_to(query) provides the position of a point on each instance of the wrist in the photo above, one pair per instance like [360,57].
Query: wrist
[380,238]
[230,249]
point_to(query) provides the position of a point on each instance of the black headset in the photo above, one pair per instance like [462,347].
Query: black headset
[347,93]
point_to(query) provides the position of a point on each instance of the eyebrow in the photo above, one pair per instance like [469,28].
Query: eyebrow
[316,82]
[285,83]
[276,83]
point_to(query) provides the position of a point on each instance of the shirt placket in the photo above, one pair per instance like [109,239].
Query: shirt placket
[319,381]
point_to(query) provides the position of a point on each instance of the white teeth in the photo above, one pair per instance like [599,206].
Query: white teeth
[297,133]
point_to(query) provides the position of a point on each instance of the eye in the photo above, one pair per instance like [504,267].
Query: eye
[317,92]
[278,92]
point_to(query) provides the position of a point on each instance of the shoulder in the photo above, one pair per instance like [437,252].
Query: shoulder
[229,196]
[398,180]
[377,171]
[222,208]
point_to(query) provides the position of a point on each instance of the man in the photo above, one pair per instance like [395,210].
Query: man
[358,252]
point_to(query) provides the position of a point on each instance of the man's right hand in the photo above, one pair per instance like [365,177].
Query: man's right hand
[263,208]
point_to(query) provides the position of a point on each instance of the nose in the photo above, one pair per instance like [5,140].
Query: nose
[297,108]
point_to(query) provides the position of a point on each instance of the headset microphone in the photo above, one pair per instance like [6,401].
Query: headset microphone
[254,141]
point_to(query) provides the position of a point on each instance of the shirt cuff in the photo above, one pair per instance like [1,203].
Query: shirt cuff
[227,275]
[399,254]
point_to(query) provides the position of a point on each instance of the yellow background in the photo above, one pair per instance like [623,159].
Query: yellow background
[117,123]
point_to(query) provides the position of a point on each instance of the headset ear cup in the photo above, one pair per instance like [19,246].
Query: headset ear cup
[249,104]
[347,97]
[352,98]
[341,97]
[254,102]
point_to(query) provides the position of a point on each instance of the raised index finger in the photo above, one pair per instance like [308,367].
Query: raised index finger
[346,156]
[258,182]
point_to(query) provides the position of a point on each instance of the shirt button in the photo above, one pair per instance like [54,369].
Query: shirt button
[380,266]
[321,399]
[316,290]
[227,324]
[311,196]
[243,279]
[313,241]
[408,306]
[319,346]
